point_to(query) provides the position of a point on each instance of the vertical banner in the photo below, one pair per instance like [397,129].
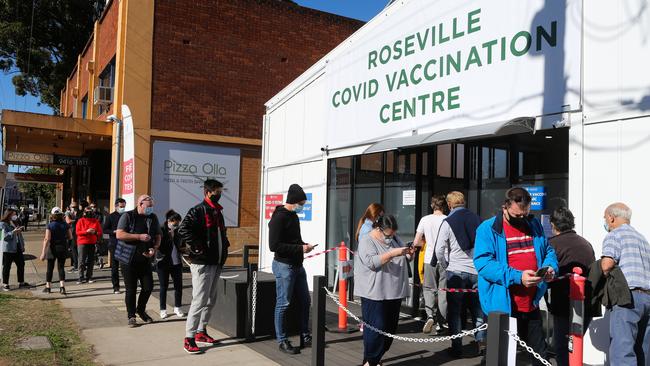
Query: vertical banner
[128,167]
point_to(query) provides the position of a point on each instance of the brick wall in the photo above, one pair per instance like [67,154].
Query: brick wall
[107,37]
[215,64]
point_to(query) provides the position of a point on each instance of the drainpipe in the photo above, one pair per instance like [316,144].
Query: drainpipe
[118,155]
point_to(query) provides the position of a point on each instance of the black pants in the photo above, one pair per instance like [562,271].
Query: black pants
[163,278]
[115,269]
[383,315]
[133,273]
[86,261]
[60,266]
[529,328]
[74,253]
[19,260]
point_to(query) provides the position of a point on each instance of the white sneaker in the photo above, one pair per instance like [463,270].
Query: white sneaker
[163,314]
[428,326]
[179,312]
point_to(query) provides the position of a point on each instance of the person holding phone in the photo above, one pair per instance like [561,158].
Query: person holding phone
[140,228]
[285,241]
[509,249]
[13,247]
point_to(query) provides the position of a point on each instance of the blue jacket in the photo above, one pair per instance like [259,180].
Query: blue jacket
[12,243]
[491,261]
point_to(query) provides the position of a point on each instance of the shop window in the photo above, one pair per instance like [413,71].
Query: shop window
[494,163]
[368,179]
[450,161]
[107,79]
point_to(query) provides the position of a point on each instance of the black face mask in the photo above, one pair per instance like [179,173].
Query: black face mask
[215,198]
[518,222]
[89,214]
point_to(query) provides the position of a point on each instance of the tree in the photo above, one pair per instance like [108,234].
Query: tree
[43,190]
[40,41]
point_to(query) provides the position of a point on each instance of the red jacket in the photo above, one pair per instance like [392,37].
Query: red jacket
[84,224]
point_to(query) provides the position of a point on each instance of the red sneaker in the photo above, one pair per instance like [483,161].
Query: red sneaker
[190,346]
[203,337]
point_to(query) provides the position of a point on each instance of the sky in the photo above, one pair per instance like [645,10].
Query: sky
[357,9]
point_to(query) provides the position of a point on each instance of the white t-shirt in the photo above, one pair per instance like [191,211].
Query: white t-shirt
[429,226]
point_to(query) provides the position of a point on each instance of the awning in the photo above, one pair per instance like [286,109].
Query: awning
[514,126]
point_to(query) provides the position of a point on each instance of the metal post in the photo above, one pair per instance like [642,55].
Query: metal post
[318,321]
[576,331]
[245,255]
[250,334]
[118,154]
[497,339]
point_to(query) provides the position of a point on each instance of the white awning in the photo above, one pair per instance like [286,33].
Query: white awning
[514,126]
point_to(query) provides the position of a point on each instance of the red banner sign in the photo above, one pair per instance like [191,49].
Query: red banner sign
[270,202]
[127,177]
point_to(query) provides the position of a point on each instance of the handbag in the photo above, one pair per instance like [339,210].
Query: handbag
[123,251]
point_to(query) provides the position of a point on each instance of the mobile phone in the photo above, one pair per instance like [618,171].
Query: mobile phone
[542,271]
[314,245]
[409,244]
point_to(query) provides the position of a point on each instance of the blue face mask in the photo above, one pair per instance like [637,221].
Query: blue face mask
[605,226]
[298,209]
[148,210]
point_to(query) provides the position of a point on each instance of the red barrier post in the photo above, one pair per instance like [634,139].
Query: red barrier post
[576,332]
[343,287]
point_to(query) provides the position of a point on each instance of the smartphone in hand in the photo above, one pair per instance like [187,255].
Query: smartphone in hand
[542,271]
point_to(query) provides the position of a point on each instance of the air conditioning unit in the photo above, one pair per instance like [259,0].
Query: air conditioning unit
[103,95]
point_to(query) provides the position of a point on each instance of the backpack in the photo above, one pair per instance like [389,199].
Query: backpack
[124,252]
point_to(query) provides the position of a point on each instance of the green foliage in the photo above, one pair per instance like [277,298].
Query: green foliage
[42,63]
[35,190]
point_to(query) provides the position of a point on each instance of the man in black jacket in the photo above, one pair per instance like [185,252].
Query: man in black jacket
[290,277]
[109,227]
[204,231]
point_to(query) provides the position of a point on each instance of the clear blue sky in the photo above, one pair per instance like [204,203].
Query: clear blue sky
[357,9]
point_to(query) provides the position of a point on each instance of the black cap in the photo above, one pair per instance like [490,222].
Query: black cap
[295,194]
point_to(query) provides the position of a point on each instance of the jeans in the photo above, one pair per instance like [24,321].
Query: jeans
[163,279]
[19,260]
[560,339]
[289,281]
[530,330]
[204,296]
[384,315]
[60,266]
[115,269]
[86,261]
[455,301]
[435,303]
[74,253]
[133,273]
[629,332]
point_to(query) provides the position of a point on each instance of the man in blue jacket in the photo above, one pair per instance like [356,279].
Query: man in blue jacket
[510,248]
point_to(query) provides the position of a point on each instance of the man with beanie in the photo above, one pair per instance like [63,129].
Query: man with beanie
[290,277]
[204,232]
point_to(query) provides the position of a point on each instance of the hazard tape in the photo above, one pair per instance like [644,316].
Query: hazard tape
[328,251]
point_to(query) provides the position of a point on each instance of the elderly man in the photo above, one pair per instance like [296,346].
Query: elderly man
[138,234]
[510,249]
[629,327]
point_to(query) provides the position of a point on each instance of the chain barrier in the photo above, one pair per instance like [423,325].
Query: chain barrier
[402,338]
[254,301]
[528,349]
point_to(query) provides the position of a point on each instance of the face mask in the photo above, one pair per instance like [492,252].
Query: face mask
[605,226]
[298,209]
[215,198]
[517,221]
[88,214]
[173,226]
[121,210]
[148,210]
[14,218]
[388,240]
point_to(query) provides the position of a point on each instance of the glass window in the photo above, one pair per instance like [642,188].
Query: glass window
[368,179]
[399,186]
[339,204]
[84,106]
[443,160]
[460,161]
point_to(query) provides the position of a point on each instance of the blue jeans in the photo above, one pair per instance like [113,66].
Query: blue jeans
[455,301]
[629,332]
[289,281]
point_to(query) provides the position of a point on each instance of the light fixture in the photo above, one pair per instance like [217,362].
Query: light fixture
[548,137]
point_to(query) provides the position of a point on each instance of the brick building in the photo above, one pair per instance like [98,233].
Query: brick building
[195,76]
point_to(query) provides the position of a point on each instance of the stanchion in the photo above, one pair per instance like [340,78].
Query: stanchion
[497,339]
[318,321]
[251,301]
[343,288]
[576,332]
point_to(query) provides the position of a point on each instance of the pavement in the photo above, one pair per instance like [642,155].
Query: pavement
[101,317]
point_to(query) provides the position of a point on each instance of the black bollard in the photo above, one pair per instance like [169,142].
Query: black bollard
[250,334]
[497,339]
[318,321]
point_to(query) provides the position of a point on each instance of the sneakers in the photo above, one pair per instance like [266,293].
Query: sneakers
[286,347]
[24,285]
[189,345]
[203,337]
[62,291]
[91,281]
[72,270]
[5,288]
[428,326]
[179,312]
[132,322]
[145,317]
[116,291]
[47,290]
[81,281]
[305,341]
[441,329]
[163,314]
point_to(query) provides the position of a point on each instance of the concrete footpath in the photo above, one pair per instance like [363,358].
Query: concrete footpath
[101,316]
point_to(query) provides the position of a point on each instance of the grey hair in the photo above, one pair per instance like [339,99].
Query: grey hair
[619,210]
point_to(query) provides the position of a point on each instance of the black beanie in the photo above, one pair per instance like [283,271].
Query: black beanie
[295,194]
